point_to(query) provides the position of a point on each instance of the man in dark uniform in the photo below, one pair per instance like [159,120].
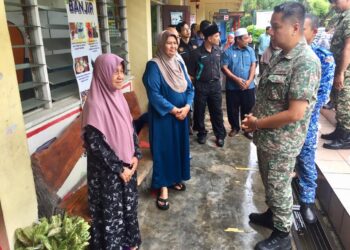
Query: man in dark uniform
[204,69]
[186,44]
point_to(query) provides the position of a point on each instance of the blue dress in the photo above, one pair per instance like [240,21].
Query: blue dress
[169,137]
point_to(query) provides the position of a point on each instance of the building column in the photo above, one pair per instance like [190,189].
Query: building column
[139,43]
[17,190]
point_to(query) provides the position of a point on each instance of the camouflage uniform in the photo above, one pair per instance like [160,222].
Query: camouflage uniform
[342,98]
[294,76]
[307,172]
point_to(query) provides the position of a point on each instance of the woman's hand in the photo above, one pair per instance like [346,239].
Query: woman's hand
[134,163]
[175,111]
[126,175]
[182,114]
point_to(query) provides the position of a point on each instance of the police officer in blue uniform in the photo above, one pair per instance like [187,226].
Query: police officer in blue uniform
[306,168]
[204,69]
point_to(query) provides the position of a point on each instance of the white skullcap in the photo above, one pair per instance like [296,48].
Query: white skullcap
[241,32]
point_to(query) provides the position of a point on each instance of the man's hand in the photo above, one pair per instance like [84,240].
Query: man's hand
[182,114]
[246,84]
[338,82]
[249,123]
[241,83]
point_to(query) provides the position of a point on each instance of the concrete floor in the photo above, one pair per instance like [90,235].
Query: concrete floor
[225,187]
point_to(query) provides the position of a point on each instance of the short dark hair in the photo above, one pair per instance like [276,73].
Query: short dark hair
[268,27]
[292,10]
[193,26]
[314,20]
[180,25]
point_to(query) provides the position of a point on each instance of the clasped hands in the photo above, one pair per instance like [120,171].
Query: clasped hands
[249,123]
[243,84]
[180,113]
[128,173]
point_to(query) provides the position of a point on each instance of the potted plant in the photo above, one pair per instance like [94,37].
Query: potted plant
[58,232]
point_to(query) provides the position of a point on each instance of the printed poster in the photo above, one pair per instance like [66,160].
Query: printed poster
[85,41]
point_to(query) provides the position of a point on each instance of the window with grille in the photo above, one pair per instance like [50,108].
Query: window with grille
[40,40]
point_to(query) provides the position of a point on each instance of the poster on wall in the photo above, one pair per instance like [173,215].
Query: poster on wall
[85,41]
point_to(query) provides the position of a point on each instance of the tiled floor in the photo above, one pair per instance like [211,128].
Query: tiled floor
[334,164]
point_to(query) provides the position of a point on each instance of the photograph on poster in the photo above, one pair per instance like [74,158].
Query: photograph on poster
[83,96]
[73,31]
[91,30]
[81,64]
[176,17]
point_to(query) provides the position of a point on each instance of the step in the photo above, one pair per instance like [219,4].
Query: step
[333,181]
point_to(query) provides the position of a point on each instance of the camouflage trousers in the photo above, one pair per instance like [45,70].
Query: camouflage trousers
[275,172]
[341,100]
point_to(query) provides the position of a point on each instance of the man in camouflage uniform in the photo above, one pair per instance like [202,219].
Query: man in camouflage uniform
[286,96]
[340,46]
[306,167]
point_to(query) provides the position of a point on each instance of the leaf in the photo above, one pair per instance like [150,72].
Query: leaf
[22,238]
[29,232]
[54,231]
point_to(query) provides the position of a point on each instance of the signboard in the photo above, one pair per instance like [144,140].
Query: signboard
[223,11]
[85,41]
[263,19]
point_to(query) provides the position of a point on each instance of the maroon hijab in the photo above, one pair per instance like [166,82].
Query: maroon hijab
[107,110]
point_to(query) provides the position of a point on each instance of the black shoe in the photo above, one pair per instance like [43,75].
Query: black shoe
[307,211]
[338,144]
[332,136]
[220,142]
[248,135]
[202,140]
[262,219]
[233,132]
[278,240]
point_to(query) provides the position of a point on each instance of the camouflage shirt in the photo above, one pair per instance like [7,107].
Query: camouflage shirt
[342,32]
[294,76]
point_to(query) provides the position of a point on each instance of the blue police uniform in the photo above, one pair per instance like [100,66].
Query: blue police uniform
[306,167]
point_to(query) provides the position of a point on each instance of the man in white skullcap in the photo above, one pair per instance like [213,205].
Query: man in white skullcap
[238,64]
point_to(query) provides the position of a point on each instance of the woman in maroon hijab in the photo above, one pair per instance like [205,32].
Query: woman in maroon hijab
[112,155]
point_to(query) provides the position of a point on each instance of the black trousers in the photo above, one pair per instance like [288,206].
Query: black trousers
[236,101]
[208,93]
[260,65]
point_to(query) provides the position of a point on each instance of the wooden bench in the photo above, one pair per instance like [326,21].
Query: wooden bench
[52,166]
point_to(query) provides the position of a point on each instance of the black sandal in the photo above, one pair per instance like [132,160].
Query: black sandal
[165,202]
[179,187]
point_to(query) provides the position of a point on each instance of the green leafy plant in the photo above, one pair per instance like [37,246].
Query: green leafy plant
[255,32]
[58,233]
